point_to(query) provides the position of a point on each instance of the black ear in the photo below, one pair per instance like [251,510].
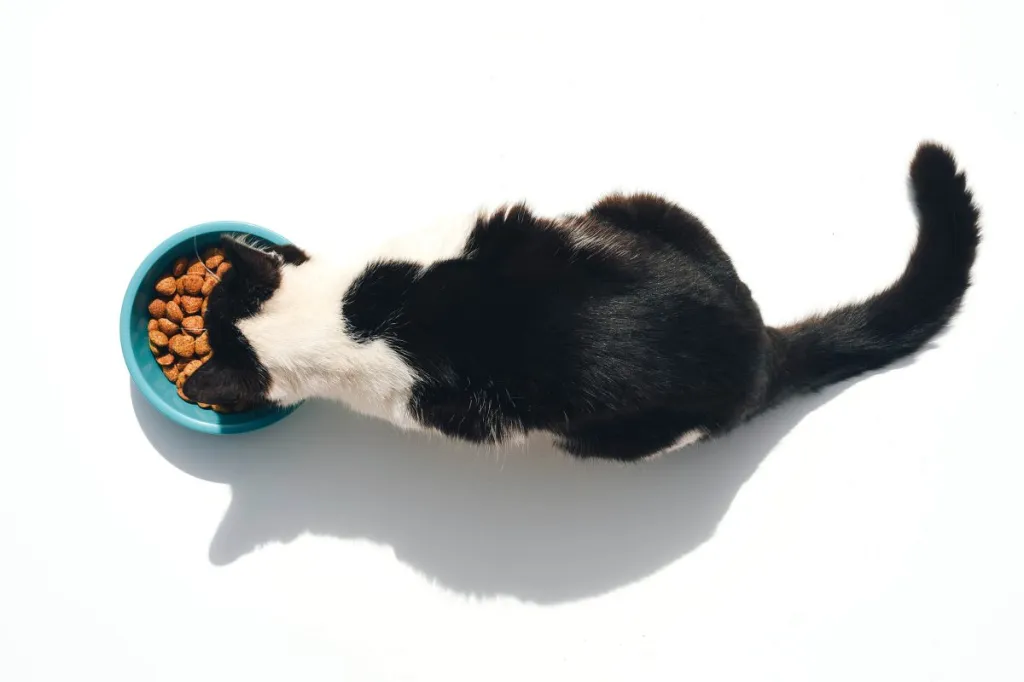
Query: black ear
[219,383]
[251,259]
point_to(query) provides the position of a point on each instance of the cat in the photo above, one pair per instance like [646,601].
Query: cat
[623,332]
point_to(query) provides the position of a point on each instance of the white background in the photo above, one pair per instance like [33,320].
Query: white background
[870,533]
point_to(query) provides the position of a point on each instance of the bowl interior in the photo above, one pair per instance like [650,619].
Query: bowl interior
[146,374]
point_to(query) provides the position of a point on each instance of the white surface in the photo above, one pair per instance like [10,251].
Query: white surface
[872,533]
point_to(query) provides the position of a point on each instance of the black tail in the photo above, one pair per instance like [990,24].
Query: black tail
[898,321]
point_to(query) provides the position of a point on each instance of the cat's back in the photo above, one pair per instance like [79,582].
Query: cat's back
[620,282]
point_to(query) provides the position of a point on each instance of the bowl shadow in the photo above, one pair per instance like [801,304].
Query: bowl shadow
[528,523]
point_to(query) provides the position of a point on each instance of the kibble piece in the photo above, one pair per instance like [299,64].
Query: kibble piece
[181,379]
[222,268]
[191,367]
[166,286]
[193,325]
[151,325]
[206,358]
[205,406]
[167,327]
[181,394]
[171,373]
[179,285]
[197,268]
[182,345]
[154,350]
[158,338]
[208,284]
[203,344]
[191,304]
[157,307]
[177,298]
[213,261]
[165,360]
[174,313]
[205,307]
[191,284]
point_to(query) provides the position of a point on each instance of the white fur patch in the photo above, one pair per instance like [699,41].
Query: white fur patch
[688,438]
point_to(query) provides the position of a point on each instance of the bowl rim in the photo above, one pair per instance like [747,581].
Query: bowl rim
[127,351]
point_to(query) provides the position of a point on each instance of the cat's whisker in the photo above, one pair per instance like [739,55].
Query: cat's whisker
[195,249]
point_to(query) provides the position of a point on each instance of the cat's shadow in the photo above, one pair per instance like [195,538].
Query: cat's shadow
[532,524]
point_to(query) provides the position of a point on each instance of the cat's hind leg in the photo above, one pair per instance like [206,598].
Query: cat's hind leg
[650,216]
[630,438]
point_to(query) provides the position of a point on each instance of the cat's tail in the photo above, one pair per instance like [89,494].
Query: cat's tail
[896,322]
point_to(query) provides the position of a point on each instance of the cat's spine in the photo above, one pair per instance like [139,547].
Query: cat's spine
[896,322]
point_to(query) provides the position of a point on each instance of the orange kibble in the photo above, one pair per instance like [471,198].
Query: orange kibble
[173,312]
[191,304]
[191,284]
[193,325]
[182,345]
[157,307]
[166,286]
[203,344]
[180,266]
[167,327]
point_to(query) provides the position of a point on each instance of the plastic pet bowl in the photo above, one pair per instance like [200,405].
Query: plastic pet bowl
[145,373]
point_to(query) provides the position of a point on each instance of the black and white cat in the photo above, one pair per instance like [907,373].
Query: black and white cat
[623,332]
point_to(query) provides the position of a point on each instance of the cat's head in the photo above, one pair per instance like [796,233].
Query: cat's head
[236,376]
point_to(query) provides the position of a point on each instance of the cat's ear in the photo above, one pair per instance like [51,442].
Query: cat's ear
[219,383]
[251,259]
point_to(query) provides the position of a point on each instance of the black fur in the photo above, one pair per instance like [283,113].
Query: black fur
[619,330]
[621,349]
[234,377]
[290,254]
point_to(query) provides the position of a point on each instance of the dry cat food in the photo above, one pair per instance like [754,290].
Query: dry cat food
[177,331]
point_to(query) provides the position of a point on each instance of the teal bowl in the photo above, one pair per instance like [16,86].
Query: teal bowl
[144,371]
